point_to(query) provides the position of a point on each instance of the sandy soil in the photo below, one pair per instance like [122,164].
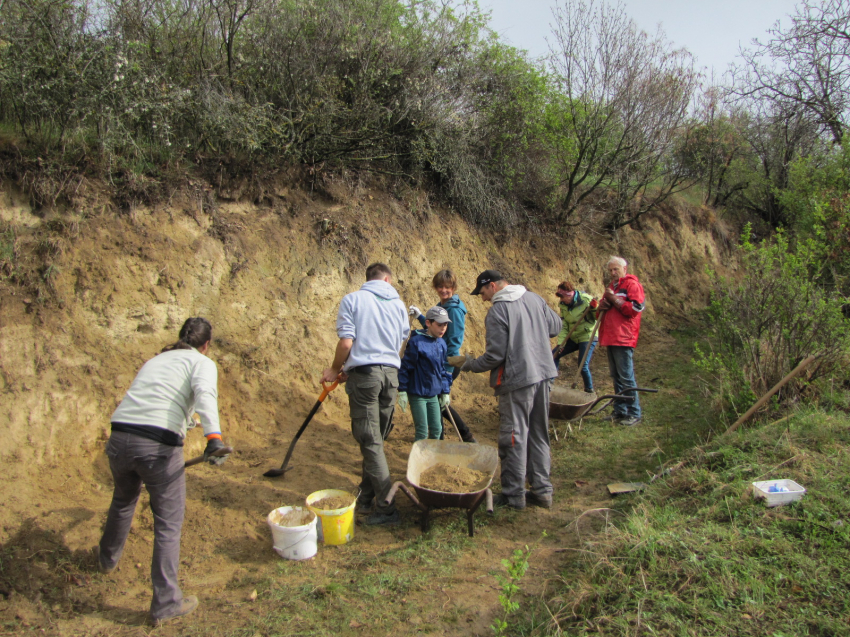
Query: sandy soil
[270,279]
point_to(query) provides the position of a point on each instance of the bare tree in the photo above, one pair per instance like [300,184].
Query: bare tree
[626,97]
[807,64]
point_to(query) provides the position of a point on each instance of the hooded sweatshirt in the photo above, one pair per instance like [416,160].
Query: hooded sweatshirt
[454,334]
[376,319]
[518,353]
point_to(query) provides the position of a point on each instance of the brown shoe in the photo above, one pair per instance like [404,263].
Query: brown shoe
[186,606]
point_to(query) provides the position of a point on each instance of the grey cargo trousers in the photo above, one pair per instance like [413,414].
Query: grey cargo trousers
[524,442]
[372,392]
[135,460]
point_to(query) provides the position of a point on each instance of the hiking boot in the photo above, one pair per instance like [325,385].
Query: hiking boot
[187,605]
[542,501]
[106,570]
[383,519]
[631,421]
[501,500]
[364,508]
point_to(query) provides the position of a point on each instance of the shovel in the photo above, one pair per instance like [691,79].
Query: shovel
[326,389]
[199,459]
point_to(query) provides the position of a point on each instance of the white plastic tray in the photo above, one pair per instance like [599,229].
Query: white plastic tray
[795,492]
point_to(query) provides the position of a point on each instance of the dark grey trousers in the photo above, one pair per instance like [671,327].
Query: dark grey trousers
[135,461]
[372,393]
[524,442]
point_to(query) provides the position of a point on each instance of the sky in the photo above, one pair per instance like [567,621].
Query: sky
[710,29]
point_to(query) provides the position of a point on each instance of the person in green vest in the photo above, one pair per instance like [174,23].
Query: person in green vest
[578,309]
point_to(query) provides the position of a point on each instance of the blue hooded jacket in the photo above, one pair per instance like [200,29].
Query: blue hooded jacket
[454,334]
[423,371]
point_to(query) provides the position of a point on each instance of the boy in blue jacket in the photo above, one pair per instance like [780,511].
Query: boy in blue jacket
[423,380]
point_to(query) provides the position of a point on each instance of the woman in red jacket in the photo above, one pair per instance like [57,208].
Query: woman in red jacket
[623,303]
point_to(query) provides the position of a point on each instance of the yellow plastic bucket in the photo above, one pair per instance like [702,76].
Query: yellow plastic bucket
[337,525]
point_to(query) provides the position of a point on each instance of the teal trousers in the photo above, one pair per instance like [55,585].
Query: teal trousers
[426,417]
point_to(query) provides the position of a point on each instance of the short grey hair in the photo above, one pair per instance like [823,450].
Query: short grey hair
[619,261]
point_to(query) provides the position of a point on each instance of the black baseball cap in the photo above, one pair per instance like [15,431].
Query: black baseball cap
[488,276]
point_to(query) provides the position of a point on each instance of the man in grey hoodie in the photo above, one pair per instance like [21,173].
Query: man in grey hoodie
[372,325]
[519,359]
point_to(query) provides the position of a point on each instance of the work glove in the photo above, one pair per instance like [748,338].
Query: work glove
[593,304]
[414,311]
[214,444]
[444,400]
[613,299]
[402,400]
[458,361]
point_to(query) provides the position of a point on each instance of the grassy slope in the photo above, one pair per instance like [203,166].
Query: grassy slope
[696,554]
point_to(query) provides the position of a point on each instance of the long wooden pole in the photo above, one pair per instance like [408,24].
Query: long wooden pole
[761,401]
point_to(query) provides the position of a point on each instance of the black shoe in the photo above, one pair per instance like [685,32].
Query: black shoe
[469,438]
[383,519]
[542,501]
[501,500]
[614,418]
[631,421]
[186,606]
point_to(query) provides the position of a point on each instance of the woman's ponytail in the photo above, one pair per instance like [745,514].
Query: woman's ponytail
[195,332]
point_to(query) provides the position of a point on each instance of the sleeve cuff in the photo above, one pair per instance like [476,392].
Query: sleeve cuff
[211,436]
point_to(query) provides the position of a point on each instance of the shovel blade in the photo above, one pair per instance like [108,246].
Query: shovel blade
[276,473]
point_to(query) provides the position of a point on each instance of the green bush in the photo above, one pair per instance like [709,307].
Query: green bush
[770,318]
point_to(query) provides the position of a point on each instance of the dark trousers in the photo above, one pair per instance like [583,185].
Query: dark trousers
[372,392]
[135,461]
[465,433]
[571,346]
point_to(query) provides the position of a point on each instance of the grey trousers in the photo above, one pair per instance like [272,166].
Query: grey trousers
[135,460]
[524,442]
[372,392]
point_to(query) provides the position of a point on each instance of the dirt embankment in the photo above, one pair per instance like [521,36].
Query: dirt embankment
[270,279]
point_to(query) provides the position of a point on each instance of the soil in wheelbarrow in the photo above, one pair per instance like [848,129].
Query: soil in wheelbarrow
[452,479]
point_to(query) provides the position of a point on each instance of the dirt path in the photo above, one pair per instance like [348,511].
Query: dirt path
[385,582]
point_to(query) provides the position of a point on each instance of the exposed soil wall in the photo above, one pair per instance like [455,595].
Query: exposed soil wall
[270,279]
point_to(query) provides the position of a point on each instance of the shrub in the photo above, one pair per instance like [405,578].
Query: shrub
[771,318]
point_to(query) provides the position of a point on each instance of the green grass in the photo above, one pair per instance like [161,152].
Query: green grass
[698,555]
[367,589]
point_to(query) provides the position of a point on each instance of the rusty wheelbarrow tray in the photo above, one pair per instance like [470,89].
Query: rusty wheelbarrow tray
[569,404]
[427,453]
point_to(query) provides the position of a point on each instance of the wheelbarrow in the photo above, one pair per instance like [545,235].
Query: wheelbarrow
[569,404]
[427,453]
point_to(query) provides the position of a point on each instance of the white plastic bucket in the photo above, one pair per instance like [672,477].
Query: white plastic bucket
[294,542]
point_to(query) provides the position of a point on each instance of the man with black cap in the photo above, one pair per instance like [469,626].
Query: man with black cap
[519,359]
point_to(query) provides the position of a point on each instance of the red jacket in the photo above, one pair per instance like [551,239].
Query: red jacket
[622,326]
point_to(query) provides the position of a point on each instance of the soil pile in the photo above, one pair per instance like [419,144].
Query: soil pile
[295,517]
[452,479]
[332,503]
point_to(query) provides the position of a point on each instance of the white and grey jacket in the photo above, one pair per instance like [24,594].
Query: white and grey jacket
[518,353]
[168,389]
